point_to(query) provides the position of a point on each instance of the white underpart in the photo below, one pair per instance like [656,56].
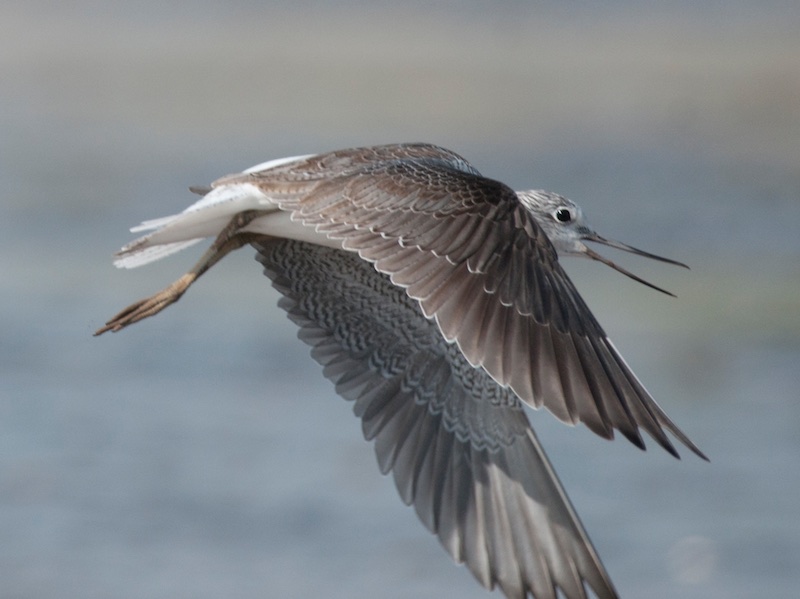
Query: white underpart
[207,217]
[280,224]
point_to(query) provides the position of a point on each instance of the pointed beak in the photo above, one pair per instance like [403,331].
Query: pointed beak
[592,236]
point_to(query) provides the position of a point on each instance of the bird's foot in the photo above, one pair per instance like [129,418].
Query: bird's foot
[229,239]
[149,306]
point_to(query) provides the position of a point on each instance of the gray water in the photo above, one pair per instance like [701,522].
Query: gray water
[201,454]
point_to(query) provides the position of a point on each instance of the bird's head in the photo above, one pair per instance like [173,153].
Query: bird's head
[565,226]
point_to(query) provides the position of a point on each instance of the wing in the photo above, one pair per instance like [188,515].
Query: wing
[460,446]
[475,259]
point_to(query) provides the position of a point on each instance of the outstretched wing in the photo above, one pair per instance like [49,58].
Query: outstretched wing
[463,245]
[459,445]
[475,259]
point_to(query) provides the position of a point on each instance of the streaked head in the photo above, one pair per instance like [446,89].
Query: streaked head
[563,222]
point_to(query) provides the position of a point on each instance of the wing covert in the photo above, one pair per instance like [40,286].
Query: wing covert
[467,249]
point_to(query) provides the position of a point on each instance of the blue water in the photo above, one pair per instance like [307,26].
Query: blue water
[201,454]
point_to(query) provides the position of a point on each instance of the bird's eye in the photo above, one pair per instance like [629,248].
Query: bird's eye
[563,215]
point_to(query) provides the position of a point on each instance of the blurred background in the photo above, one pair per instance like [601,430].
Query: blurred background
[202,454]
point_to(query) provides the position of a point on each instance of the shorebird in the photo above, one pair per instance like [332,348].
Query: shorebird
[435,301]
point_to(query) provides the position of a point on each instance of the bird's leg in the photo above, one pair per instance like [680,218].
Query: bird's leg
[230,238]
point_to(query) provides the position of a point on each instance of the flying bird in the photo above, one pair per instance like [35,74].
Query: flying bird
[435,301]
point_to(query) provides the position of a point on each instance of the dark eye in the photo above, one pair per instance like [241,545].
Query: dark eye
[563,215]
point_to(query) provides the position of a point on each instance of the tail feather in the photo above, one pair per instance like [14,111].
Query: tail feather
[129,257]
[155,223]
[205,218]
